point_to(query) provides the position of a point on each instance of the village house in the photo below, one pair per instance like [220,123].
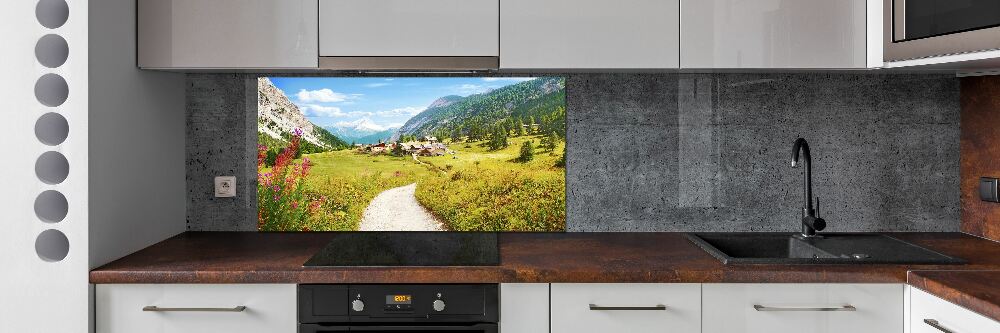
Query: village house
[412,148]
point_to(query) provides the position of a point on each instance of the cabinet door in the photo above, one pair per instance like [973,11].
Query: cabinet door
[773,34]
[524,308]
[195,308]
[927,310]
[581,34]
[409,28]
[227,34]
[803,308]
[633,308]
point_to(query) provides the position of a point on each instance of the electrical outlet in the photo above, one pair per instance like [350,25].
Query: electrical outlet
[988,189]
[225,187]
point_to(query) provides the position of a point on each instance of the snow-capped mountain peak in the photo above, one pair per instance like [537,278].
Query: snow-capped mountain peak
[360,125]
[363,130]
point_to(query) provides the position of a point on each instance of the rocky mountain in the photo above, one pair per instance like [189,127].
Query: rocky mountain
[278,117]
[465,115]
[445,101]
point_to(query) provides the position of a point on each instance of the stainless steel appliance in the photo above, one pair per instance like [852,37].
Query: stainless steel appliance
[467,308]
[916,29]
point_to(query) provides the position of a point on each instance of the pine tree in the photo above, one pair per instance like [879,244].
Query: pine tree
[561,162]
[549,141]
[498,140]
[527,152]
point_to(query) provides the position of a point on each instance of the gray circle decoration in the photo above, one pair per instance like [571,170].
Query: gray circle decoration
[52,245]
[51,51]
[51,129]
[51,206]
[51,90]
[52,167]
[52,13]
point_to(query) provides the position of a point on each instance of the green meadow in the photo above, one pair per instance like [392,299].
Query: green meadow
[474,189]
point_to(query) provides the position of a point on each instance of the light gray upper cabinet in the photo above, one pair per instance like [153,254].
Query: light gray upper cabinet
[409,28]
[194,34]
[780,34]
[589,34]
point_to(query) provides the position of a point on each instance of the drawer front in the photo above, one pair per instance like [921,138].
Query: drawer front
[634,308]
[946,315]
[269,308]
[803,308]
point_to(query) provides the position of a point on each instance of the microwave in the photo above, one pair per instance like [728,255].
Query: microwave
[915,29]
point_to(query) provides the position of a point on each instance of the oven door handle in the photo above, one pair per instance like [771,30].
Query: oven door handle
[484,328]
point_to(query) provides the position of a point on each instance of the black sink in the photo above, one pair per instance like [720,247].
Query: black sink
[837,248]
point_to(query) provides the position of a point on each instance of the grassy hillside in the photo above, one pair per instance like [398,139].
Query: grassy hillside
[487,190]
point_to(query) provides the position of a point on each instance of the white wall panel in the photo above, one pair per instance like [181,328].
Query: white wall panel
[40,295]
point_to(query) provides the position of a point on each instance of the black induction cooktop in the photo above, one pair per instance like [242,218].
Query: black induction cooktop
[408,248]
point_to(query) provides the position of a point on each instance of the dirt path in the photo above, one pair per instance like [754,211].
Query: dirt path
[397,209]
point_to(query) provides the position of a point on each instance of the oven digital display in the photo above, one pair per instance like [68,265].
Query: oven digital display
[398,299]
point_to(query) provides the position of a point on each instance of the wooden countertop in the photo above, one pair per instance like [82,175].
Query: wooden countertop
[252,257]
[978,291]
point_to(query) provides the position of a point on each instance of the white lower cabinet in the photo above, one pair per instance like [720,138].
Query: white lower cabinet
[180,308]
[930,314]
[803,308]
[524,307]
[634,308]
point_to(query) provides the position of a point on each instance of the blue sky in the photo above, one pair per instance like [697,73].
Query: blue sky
[376,102]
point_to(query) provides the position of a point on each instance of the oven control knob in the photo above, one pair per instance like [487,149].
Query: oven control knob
[438,305]
[358,305]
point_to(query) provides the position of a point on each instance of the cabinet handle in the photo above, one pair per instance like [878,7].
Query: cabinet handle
[596,307]
[935,324]
[759,307]
[159,309]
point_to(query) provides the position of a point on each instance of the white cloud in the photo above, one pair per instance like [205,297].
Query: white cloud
[376,85]
[511,79]
[324,95]
[315,110]
[405,111]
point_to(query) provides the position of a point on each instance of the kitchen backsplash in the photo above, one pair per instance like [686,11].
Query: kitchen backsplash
[683,152]
[980,108]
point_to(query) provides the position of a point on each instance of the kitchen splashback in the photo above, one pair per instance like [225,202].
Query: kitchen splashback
[411,154]
[682,152]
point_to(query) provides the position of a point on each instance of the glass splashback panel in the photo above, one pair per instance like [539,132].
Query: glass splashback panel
[411,154]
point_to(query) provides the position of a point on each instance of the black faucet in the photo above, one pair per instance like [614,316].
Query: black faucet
[810,221]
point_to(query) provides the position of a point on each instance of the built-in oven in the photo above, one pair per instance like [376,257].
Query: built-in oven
[916,29]
[374,308]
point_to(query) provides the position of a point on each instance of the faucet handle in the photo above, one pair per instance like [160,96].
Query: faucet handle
[817,206]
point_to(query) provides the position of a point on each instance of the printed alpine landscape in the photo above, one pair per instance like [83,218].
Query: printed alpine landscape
[411,154]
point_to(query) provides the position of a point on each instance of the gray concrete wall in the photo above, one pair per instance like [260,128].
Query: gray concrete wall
[221,141]
[686,152]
